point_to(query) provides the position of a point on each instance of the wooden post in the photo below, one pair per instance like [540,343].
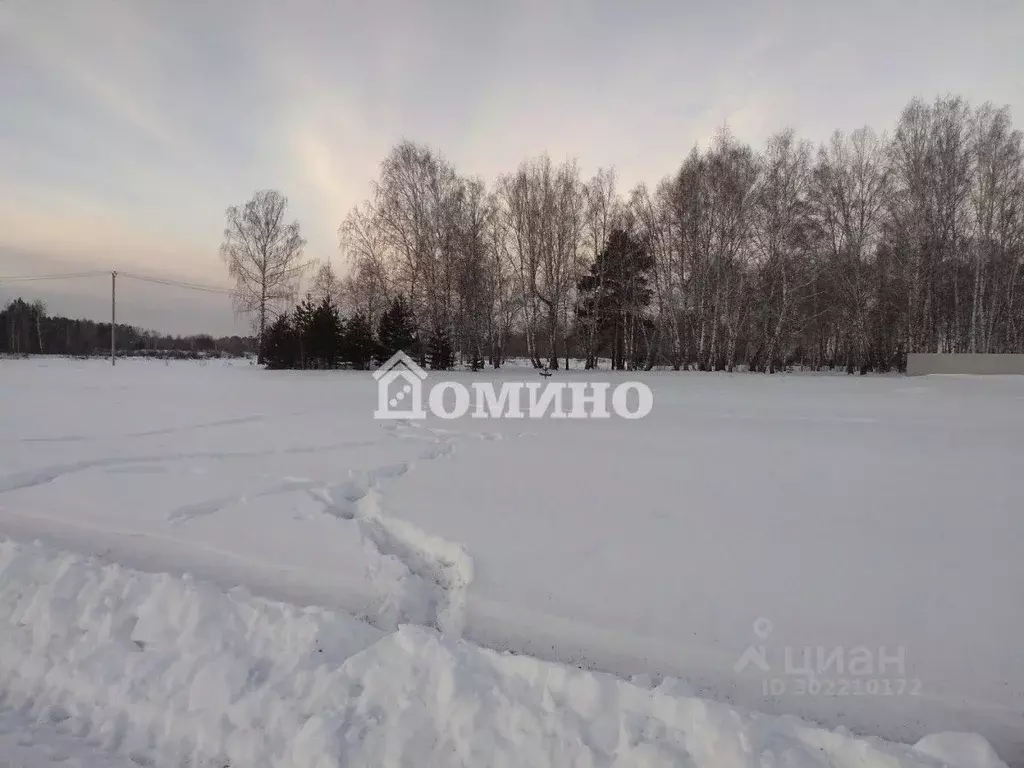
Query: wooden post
[113,318]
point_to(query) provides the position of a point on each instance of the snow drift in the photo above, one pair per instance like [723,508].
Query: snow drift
[171,671]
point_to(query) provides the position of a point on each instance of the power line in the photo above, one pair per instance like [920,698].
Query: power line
[145,278]
[178,283]
[61,276]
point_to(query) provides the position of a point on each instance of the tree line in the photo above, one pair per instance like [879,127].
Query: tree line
[27,329]
[315,335]
[845,255]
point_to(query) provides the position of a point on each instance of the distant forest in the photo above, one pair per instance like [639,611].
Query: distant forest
[845,255]
[26,329]
[848,255]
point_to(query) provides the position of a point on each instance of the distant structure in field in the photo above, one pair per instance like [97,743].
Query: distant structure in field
[919,364]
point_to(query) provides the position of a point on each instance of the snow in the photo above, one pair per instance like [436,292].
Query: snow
[238,515]
[25,743]
[959,749]
[170,671]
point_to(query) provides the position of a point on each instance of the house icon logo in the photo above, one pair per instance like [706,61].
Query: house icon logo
[400,389]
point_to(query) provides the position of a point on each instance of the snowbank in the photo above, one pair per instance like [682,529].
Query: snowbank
[170,671]
[28,743]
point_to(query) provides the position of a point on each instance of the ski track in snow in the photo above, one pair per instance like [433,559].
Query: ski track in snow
[146,433]
[214,424]
[21,480]
[212,506]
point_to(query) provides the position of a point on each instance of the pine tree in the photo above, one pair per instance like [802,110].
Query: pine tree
[396,330]
[323,335]
[302,320]
[613,299]
[281,344]
[442,357]
[359,345]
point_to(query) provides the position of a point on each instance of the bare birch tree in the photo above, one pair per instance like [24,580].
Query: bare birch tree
[263,253]
[998,240]
[543,206]
[602,214]
[849,195]
[782,240]
[366,289]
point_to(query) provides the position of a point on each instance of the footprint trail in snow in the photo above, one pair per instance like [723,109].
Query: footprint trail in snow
[444,566]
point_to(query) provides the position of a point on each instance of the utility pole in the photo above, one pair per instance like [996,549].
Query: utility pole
[113,318]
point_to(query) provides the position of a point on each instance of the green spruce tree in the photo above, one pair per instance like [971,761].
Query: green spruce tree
[442,356]
[302,320]
[396,330]
[359,345]
[323,335]
[281,344]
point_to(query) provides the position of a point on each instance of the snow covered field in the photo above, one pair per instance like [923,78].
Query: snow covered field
[872,519]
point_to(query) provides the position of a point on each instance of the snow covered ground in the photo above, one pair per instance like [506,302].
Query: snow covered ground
[749,528]
[28,743]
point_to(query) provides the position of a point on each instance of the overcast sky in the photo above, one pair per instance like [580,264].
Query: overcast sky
[128,127]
